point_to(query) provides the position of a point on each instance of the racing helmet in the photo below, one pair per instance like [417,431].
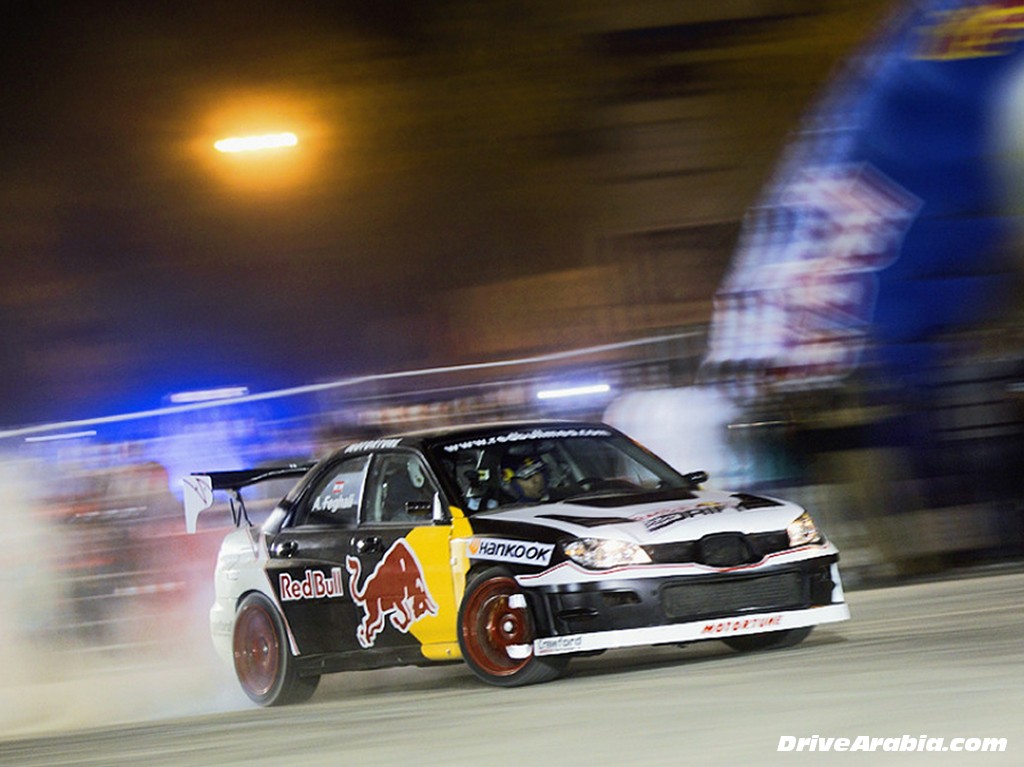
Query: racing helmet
[521,468]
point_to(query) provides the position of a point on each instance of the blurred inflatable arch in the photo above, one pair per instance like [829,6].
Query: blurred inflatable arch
[890,221]
[872,308]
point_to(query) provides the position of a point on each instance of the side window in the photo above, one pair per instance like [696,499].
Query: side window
[335,500]
[397,480]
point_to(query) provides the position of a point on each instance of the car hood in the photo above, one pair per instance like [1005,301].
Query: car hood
[615,516]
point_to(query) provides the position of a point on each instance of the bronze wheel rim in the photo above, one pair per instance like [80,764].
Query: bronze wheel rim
[491,626]
[257,649]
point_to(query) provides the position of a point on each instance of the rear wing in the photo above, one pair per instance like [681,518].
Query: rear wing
[198,488]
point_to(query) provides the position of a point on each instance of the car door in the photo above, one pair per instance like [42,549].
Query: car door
[307,559]
[400,561]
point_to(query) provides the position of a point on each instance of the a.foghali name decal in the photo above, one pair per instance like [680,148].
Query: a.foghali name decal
[519,552]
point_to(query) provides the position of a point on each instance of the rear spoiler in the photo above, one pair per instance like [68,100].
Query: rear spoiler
[198,488]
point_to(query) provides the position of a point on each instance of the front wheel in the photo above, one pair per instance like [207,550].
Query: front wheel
[496,633]
[263,662]
[771,640]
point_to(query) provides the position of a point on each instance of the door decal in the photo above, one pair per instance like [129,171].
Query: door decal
[396,588]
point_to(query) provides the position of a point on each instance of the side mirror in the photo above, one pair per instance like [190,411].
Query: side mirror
[696,478]
[419,509]
[423,509]
[438,511]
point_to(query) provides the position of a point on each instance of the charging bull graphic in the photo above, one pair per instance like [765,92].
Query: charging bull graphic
[395,588]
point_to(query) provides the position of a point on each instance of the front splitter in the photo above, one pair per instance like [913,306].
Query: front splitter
[716,628]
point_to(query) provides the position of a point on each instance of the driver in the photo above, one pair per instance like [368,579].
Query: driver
[527,480]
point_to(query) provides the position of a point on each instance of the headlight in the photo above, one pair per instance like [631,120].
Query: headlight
[802,530]
[600,553]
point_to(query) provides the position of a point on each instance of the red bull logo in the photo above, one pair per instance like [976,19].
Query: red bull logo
[396,589]
[972,32]
[313,585]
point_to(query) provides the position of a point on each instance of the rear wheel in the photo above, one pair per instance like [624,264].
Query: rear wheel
[263,662]
[771,640]
[496,633]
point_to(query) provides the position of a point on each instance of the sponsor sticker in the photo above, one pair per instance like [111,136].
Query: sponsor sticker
[741,625]
[503,550]
[971,32]
[372,444]
[396,590]
[315,584]
[656,520]
[525,436]
[334,503]
[552,645]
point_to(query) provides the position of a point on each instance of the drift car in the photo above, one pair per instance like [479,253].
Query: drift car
[512,547]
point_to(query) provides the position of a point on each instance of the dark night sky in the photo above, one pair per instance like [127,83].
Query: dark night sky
[438,142]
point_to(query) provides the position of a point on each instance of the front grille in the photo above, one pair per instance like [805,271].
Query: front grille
[672,553]
[763,544]
[724,550]
[756,547]
[705,599]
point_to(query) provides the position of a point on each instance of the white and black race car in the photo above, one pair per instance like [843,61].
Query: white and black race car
[510,546]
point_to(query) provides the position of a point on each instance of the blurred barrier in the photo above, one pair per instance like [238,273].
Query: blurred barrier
[122,577]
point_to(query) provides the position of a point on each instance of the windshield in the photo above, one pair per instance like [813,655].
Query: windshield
[547,465]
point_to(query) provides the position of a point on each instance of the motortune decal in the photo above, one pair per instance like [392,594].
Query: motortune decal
[741,625]
[396,588]
[315,584]
[520,552]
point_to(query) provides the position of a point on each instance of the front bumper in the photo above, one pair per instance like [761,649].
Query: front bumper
[690,632]
[626,612]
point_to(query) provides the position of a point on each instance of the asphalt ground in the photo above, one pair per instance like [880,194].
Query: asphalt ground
[939,659]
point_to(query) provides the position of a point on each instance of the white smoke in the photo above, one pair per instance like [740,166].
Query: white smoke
[54,680]
[688,428]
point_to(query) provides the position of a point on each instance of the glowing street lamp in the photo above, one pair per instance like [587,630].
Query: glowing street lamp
[261,143]
[256,143]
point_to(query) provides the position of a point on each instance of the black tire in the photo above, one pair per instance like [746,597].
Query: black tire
[489,626]
[770,640]
[264,663]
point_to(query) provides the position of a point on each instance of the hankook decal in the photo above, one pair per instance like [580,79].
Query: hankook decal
[519,552]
